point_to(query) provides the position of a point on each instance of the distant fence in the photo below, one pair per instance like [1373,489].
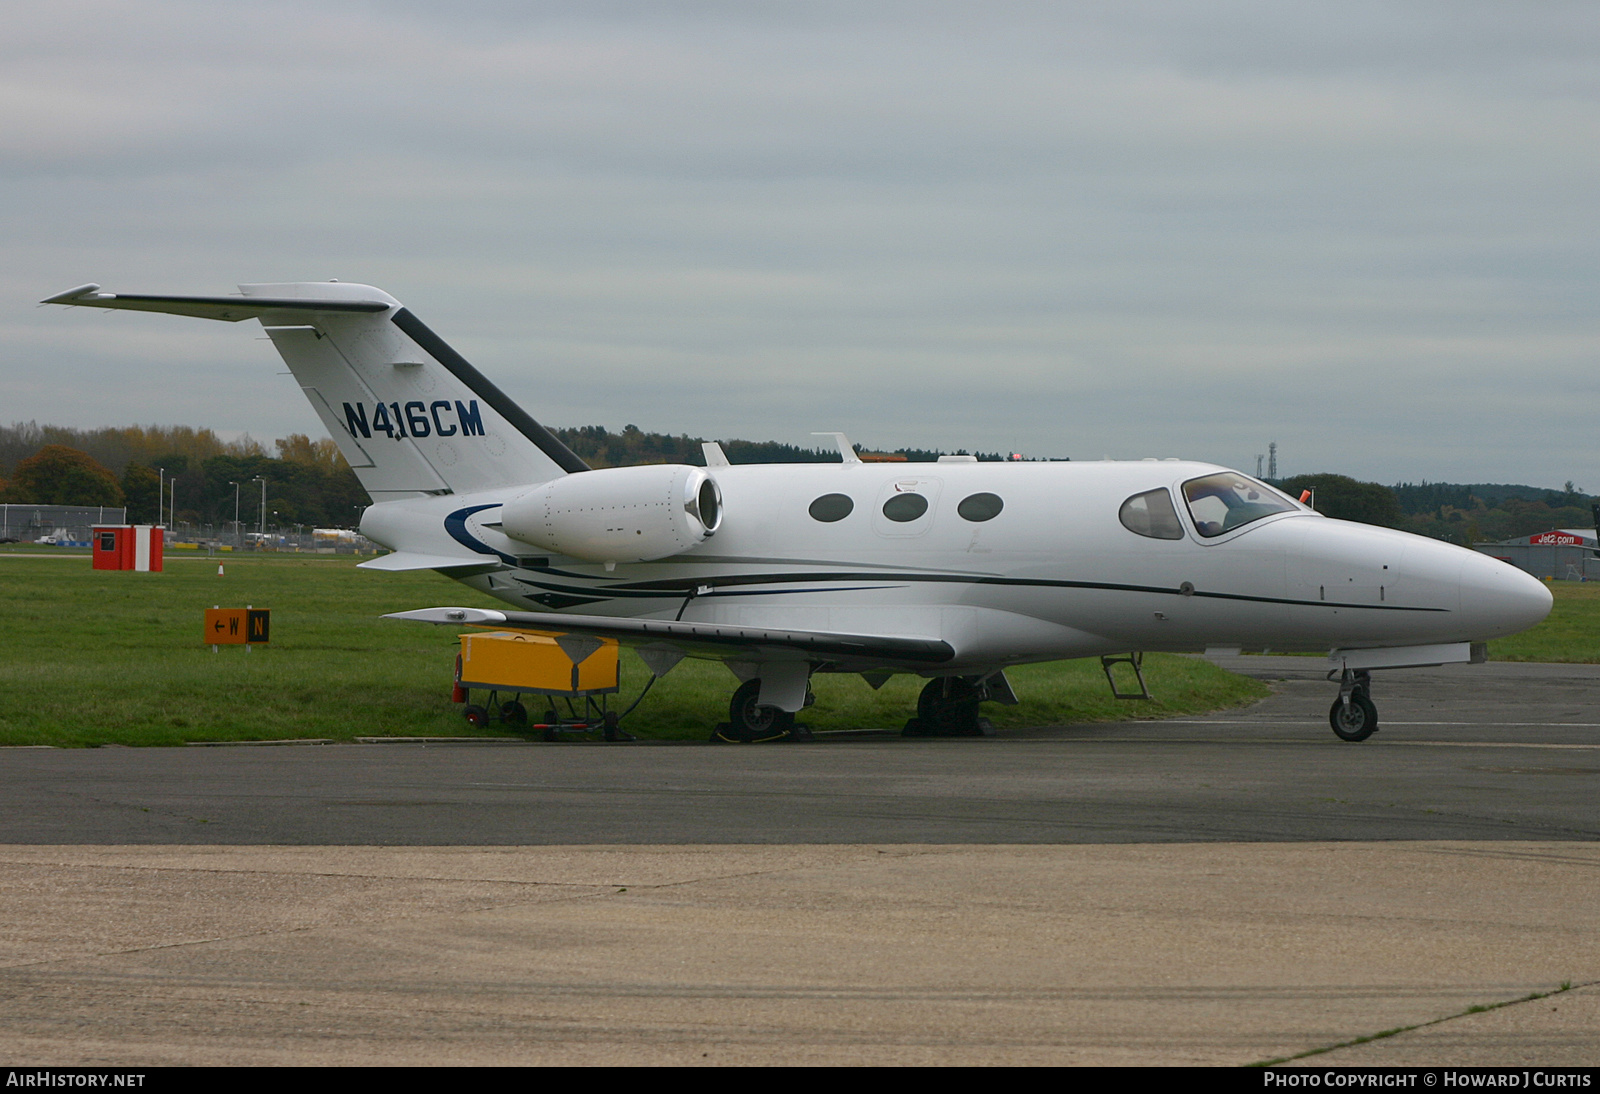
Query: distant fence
[64,525]
[295,539]
[69,526]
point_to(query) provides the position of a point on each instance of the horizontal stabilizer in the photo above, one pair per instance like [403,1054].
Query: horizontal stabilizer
[714,639]
[400,561]
[410,415]
[229,309]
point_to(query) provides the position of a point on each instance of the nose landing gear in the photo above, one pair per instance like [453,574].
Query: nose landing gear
[1353,716]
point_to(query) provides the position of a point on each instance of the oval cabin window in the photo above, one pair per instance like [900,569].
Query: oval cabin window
[831,507]
[904,508]
[980,507]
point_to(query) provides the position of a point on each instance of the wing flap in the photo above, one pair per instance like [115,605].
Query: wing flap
[713,639]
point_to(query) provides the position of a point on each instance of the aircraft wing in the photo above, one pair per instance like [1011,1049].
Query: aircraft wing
[714,640]
[229,309]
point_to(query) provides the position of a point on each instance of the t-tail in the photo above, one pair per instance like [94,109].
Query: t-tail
[409,413]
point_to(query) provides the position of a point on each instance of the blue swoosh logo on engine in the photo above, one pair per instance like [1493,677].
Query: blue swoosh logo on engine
[456,525]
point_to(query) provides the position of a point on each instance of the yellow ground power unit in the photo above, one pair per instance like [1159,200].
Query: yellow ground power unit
[565,667]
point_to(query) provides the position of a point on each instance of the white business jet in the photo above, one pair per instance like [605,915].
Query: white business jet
[950,570]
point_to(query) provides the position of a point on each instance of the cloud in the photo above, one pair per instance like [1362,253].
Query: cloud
[1364,230]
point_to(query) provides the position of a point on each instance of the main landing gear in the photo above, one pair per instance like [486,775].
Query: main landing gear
[1352,716]
[948,707]
[750,723]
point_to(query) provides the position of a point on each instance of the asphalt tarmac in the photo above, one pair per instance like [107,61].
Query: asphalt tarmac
[1221,890]
[1484,752]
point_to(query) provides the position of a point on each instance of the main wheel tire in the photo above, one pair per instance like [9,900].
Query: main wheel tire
[948,707]
[1354,721]
[749,721]
[513,714]
[475,715]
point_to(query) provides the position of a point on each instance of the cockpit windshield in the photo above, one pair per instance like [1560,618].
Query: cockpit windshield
[1222,502]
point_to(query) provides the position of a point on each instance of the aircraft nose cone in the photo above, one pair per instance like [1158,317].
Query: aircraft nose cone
[1498,599]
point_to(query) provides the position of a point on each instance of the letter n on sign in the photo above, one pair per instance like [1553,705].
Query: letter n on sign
[258,625]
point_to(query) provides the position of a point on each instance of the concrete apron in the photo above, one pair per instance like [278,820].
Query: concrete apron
[1108,954]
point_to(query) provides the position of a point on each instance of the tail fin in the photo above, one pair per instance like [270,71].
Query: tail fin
[408,412]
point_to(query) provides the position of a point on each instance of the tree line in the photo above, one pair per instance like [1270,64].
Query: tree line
[599,447]
[309,483]
[1462,513]
[180,473]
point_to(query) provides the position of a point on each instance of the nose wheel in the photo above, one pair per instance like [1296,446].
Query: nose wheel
[1353,715]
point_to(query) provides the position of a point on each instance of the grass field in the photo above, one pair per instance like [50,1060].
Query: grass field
[93,657]
[1571,633]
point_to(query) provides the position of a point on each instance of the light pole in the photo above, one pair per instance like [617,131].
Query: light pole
[261,514]
[161,491]
[238,537]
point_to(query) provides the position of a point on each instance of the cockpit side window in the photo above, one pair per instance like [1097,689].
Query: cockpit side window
[1228,500]
[1151,514]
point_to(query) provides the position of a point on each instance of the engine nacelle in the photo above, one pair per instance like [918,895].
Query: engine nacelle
[618,514]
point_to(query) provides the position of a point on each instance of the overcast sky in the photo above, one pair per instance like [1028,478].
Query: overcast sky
[1367,231]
